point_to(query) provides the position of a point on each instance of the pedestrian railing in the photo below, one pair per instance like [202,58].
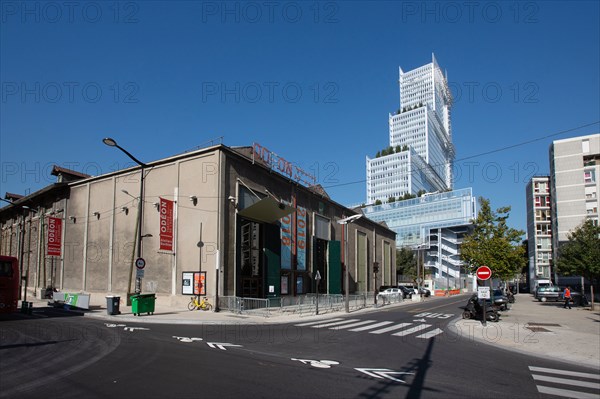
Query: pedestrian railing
[299,305]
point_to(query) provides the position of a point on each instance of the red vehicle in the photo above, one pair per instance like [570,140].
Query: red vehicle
[9,284]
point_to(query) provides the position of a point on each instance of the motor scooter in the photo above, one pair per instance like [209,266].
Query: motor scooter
[474,310]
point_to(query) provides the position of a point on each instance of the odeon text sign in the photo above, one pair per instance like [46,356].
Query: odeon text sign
[166,224]
[282,166]
[54,242]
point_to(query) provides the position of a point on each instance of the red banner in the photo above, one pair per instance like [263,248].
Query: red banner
[166,225]
[54,242]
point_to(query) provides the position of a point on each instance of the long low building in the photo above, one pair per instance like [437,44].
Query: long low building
[218,221]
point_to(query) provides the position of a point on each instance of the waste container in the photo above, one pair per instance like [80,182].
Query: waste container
[142,303]
[112,305]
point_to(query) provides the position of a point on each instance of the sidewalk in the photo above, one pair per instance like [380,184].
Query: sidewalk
[544,329]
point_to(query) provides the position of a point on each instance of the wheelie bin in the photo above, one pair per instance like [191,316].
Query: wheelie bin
[112,305]
[142,303]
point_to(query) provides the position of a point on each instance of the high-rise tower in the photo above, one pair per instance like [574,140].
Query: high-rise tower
[421,153]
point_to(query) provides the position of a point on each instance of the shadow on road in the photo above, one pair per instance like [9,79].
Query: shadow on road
[41,313]
[418,367]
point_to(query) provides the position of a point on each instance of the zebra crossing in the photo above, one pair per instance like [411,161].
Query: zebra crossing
[566,383]
[375,327]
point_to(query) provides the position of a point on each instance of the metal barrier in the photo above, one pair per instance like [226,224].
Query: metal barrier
[299,305]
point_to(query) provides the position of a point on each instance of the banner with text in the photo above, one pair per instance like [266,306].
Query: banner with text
[166,225]
[54,242]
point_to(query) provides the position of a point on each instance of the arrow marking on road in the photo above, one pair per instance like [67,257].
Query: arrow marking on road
[421,320]
[382,373]
[321,364]
[220,345]
[111,325]
[131,329]
[186,339]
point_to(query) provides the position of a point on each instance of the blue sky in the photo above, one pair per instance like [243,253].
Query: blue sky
[312,81]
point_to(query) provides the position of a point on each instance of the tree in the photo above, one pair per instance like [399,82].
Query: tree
[378,154]
[406,262]
[492,243]
[391,199]
[398,148]
[580,256]
[377,202]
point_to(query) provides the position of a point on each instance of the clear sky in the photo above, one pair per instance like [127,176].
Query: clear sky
[312,81]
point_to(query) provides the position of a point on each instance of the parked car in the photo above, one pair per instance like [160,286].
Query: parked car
[407,292]
[390,294]
[548,293]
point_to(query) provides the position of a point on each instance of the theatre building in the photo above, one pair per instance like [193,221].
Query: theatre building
[227,221]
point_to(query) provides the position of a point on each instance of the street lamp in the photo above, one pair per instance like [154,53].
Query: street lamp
[138,281]
[345,223]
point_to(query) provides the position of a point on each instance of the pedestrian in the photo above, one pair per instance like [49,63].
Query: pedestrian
[567,296]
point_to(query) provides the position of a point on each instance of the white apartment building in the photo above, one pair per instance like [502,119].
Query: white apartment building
[539,228]
[420,134]
[574,186]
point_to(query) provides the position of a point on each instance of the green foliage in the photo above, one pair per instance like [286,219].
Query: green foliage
[378,154]
[391,199]
[398,148]
[580,256]
[420,193]
[492,243]
[406,262]
[405,147]
[377,202]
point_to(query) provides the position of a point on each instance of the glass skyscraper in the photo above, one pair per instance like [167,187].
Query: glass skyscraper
[420,138]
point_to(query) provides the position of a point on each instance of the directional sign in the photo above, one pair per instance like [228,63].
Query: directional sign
[484,273]
[220,345]
[383,373]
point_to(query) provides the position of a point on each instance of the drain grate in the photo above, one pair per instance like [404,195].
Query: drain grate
[537,329]
[544,324]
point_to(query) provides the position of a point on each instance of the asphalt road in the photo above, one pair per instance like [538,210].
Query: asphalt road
[405,352]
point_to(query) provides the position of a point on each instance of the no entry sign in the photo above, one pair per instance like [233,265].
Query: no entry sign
[483,272]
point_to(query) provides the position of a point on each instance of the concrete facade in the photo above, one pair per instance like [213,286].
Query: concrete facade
[220,193]
[574,172]
[539,229]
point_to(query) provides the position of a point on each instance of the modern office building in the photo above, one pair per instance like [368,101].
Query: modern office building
[418,162]
[434,224]
[574,185]
[217,221]
[539,229]
[420,139]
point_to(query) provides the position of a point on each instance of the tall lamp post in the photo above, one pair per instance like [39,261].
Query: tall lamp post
[344,222]
[112,143]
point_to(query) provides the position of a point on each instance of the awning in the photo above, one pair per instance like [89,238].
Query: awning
[267,210]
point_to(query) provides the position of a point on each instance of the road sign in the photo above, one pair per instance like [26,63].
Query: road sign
[140,263]
[483,292]
[139,273]
[483,273]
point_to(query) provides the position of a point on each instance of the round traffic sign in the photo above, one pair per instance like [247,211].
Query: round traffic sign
[483,272]
[140,263]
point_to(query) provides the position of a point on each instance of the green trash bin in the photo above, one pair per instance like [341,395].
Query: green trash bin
[142,303]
